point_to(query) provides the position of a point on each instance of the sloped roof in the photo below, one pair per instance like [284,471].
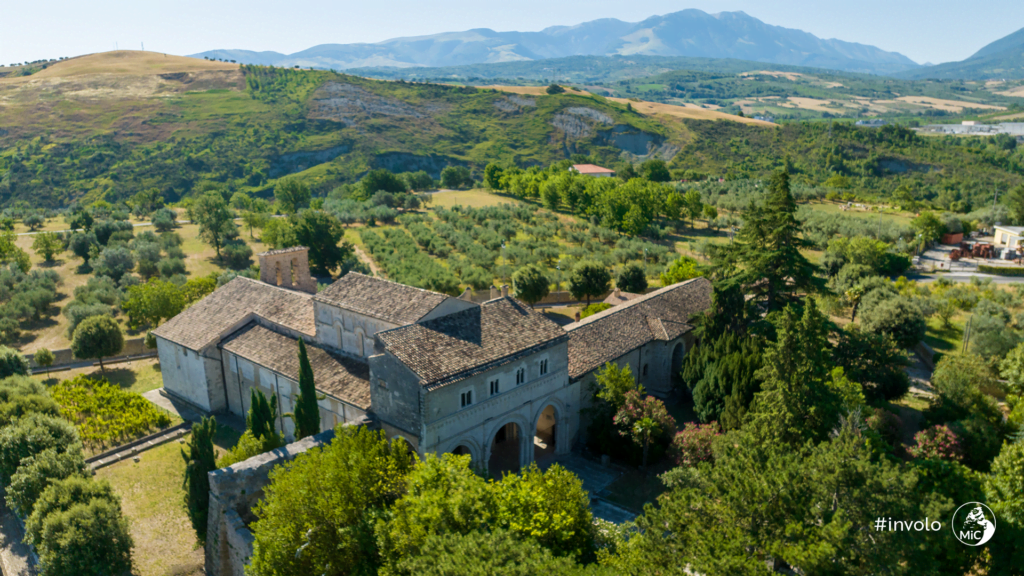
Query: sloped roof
[618,297]
[592,169]
[458,345]
[664,314]
[231,305]
[336,375]
[389,301]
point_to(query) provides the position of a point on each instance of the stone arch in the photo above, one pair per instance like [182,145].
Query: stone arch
[471,446]
[558,441]
[339,331]
[678,354]
[508,446]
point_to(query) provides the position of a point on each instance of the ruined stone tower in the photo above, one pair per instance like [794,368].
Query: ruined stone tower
[287,268]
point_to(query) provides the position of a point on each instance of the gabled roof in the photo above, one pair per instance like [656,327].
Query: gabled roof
[664,314]
[592,169]
[234,304]
[458,345]
[389,301]
[336,375]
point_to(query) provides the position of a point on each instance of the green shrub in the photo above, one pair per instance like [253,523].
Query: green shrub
[1001,270]
[594,309]
[21,395]
[105,413]
[12,363]
[30,435]
[36,473]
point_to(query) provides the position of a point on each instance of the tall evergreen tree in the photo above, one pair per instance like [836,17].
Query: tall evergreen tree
[307,411]
[796,402]
[767,254]
[200,460]
[262,414]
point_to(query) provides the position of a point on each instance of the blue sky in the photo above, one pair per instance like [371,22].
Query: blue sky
[925,30]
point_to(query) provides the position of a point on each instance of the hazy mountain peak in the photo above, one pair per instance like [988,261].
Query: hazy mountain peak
[690,32]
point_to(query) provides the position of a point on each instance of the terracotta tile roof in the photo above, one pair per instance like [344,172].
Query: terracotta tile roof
[591,169]
[336,375]
[456,346]
[389,301]
[664,314]
[232,305]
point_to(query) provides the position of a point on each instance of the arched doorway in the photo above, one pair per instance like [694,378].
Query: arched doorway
[461,450]
[677,361]
[545,435]
[505,451]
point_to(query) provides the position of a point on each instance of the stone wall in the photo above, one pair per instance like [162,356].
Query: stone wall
[63,357]
[287,268]
[234,491]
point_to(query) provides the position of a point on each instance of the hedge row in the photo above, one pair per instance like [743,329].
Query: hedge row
[1001,270]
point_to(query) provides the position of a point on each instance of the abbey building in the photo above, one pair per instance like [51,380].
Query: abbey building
[496,380]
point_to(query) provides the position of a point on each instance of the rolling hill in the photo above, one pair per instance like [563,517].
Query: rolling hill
[106,126]
[691,33]
[1002,59]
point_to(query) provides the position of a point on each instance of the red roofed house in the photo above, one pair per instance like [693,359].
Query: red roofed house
[592,170]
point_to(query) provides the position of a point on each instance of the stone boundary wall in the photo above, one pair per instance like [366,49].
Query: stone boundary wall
[133,347]
[233,493]
[557,297]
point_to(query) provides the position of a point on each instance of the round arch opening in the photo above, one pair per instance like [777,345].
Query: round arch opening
[678,353]
[505,455]
[546,434]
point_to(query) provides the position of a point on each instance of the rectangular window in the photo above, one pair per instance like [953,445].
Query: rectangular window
[467,398]
[645,369]
[543,367]
[494,387]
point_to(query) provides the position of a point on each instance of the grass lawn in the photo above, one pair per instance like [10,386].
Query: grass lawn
[152,499]
[890,215]
[945,339]
[135,376]
[475,198]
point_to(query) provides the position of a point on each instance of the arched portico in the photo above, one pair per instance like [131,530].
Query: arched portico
[465,446]
[508,448]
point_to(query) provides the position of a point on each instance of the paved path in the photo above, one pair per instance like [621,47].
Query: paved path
[16,557]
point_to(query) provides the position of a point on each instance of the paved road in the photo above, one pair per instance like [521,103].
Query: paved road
[965,277]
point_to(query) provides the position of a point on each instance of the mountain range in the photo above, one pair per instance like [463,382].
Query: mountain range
[1003,58]
[691,33]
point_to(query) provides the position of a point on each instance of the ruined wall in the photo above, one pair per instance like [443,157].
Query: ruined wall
[234,491]
[287,268]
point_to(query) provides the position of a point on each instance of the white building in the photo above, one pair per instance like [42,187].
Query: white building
[496,380]
[1008,236]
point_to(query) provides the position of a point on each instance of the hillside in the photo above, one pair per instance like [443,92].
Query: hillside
[114,130]
[781,91]
[1002,59]
[109,134]
[691,33]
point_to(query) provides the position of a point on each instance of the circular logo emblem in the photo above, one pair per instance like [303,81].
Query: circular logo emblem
[973,524]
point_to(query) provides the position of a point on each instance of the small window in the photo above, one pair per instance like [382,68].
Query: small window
[520,376]
[184,352]
[495,388]
[382,383]
[543,367]
[645,369]
[467,398]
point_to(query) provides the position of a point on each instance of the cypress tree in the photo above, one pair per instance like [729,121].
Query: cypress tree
[200,460]
[307,411]
[262,413]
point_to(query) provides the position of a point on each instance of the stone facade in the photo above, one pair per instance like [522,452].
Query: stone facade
[287,268]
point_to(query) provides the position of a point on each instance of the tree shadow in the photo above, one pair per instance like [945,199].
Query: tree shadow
[123,377]
[51,263]
[83,268]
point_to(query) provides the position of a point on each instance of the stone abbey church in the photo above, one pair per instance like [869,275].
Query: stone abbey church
[495,380]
